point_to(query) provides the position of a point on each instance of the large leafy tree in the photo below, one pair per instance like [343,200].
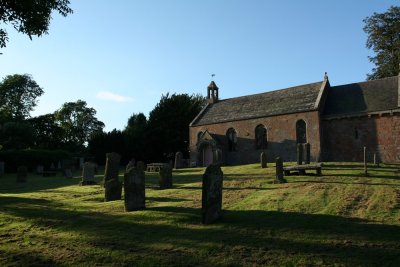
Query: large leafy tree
[18,97]
[78,122]
[383,31]
[168,125]
[31,17]
[134,134]
[48,134]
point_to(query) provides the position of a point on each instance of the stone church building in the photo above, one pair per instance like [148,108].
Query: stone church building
[337,121]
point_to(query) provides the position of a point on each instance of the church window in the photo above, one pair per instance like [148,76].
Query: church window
[261,137]
[301,132]
[232,139]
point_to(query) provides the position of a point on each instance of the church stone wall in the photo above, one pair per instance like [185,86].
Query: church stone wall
[345,138]
[281,136]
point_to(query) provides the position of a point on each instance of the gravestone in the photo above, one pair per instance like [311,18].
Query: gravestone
[165,179]
[22,174]
[113,190]
[134,187]
[68,173]
[365,162]
[1,168]
[263,160]
[59,165]
[140,165]
[131,164]
[299,154]
[52,167]
[211,203]
[88,174]
[178,160]
[279,171]
[39,169]
[307,152]
[112,166]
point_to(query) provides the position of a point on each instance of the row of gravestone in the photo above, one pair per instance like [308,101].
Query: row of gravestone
[134,185]
[303,155]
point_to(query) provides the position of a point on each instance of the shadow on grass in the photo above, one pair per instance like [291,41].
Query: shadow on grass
[239,235]
[345,183]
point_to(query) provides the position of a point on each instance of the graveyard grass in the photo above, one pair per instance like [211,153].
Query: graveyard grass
[338,219]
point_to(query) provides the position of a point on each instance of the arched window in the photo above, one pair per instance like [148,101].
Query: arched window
[301,132]
[232,139]
[199,135]
[261,137]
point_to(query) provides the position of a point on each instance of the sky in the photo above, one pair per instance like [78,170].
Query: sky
[122,56]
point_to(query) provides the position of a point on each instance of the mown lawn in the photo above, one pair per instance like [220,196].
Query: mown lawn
[339,219]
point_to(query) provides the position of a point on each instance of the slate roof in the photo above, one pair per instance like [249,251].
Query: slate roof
[291,100]
[363,97]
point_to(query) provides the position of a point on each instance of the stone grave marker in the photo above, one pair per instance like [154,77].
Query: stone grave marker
[279,171]
[68,173]
[299,154]
[22,174]
[307,152]
[39,169]
[87,174]
[212,194]
[165,179]
[178,160]
[134,187]
[113,190]
[112,166]
[131,164]
[263,160]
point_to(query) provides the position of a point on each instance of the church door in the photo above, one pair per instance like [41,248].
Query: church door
[207,156]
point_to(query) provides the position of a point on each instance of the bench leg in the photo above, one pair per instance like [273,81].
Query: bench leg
[287,172]
[302,172]
[319,172]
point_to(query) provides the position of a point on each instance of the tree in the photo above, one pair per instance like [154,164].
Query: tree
[134,134]
[48,134]
[383,31]
[17,135]
[30,17]
[18,97]
[168,125]
[78,122]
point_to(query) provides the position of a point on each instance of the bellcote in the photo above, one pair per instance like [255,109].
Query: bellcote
[212,93]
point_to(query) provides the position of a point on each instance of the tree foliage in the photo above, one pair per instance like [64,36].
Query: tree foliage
[78,122]
[383,31]
[18,97]
[31,17]
[47,133]
[168,125]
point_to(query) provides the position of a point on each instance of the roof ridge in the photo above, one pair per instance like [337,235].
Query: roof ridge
[272,91]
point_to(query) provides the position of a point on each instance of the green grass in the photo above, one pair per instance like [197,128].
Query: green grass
[339,219]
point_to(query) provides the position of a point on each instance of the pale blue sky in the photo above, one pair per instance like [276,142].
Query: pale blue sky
[121,56]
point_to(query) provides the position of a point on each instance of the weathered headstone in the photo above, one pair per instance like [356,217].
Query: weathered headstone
[365,162]
[140,165]
[112,166]
[22,174]
[39,169]
[134,187]
[165,179]
[212,194]
[88,174]
[59,165]
[113,190]
[131,164]
[263,160]
[52,167]
[299,154]
[178,160]
[68,173]
[279,171]
[307,150]
[1,168]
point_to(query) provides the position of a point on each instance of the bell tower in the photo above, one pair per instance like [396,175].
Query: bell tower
[212,93]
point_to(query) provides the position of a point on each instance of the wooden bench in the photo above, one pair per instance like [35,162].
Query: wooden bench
[302,168]
[154,167]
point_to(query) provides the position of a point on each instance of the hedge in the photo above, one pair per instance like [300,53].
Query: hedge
[31,158]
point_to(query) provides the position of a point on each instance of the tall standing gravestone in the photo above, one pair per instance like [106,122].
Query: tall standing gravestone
[165,178]
[178,160]
[299,154]
[307,152]
[211,203]
[87,174]
[131,164]
[1,168]
[113,187]
[279,171]
[263,160]
[22,174]
[134,187]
